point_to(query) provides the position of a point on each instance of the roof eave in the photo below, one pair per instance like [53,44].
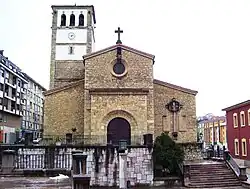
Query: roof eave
[88,56]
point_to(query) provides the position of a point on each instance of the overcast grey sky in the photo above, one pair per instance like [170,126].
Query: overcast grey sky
[198,44]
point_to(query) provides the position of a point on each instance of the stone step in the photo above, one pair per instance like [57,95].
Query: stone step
[195,168]
[213,173]
[214,184]
[213,180]
[212,177]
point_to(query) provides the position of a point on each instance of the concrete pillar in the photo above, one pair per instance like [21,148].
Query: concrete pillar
[80,180]
[8,161]
[243,173]
[122,170]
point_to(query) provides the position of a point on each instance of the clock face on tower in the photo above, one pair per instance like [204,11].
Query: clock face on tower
[71,35]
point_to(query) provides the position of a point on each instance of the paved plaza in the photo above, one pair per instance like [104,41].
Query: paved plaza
[46,183]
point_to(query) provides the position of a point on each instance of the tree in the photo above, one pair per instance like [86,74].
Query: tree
[167,154]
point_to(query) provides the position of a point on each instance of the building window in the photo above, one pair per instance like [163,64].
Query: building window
[242,118]
[2,72]
[63,20]
[71,50]
[244,147]
[81,20]
[248,117]
[72,20]
[236,147]
[235,120]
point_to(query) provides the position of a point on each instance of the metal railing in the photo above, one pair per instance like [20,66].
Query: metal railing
[233,165]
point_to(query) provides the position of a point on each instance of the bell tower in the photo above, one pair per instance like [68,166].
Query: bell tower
[72,37]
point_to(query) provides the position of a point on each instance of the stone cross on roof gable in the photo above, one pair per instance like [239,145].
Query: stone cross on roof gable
[119,31]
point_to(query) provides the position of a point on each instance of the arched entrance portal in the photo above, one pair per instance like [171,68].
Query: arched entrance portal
[118,129]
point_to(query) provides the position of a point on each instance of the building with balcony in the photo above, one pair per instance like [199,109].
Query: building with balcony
[238,131]
[13,85]
[32,122]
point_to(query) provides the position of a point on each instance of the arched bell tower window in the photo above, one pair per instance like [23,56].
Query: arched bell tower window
[81,20]
[63,20]
[72,20]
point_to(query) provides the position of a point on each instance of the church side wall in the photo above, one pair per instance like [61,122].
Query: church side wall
[64,110]
[67,71]
[186,118]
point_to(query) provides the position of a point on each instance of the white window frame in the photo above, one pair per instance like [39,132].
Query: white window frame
[236,147]
[248,116]
[242,121]
[243,140]
[235,120]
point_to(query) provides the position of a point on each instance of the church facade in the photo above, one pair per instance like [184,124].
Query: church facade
[112,94]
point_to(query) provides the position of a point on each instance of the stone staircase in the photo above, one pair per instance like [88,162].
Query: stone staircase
[210,175]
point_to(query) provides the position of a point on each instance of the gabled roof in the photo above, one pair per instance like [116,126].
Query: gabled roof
[176,87]
[147,55]
[247,102]
[62,88]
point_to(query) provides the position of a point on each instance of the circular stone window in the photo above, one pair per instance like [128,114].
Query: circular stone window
[119,68]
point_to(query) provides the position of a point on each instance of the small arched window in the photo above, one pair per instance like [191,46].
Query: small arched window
[72,20]
[63,20]
[81,20]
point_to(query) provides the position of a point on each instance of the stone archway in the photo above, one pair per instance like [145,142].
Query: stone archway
[118,129]
[104,122]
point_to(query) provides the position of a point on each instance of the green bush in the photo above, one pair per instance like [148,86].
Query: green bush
[167,154]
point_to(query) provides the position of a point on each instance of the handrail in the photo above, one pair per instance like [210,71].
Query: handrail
[233,165]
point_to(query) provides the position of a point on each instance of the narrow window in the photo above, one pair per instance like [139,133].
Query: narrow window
[71,50]
[235,120]
[242,118]
[248,117]
[63,20]
[81,20]
[236,147]
[244,147]
[72,20]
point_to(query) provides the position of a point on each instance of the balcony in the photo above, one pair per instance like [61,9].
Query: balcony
[10,83]
[1,94]
[11,97]
[23,102]
[9,111]
[18,100]
[22,90]
[2,80]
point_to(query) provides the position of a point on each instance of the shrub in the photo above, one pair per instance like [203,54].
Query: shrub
[167,154]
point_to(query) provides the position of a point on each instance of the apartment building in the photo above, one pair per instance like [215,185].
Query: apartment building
[213,130]
[13,87]
[238,132]
[32,122]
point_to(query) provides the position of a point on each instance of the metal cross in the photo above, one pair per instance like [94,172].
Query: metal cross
[119,31]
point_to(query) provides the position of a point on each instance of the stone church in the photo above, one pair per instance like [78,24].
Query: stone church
[110,94]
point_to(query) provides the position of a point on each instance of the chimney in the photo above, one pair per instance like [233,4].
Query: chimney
[1,52]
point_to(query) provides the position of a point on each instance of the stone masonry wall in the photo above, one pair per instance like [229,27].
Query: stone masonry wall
[186,124]
[100,107]
[63,110]
[139,164]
